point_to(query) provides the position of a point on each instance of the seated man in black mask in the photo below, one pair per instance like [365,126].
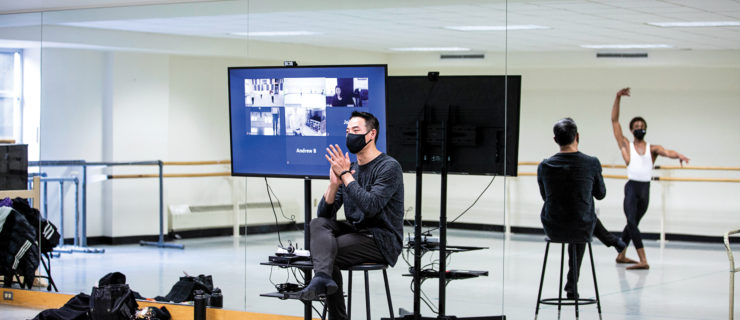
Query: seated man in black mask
[569,181]
[371,191]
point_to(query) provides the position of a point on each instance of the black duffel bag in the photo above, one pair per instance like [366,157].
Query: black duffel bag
[184,288]
[112,302]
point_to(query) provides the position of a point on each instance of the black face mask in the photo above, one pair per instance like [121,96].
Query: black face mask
[639,133]
[356,142]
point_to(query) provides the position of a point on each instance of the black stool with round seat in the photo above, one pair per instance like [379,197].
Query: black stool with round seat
[365,268]
[576,301]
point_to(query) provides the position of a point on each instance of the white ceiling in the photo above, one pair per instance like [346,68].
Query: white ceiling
[380,25]
[23,6]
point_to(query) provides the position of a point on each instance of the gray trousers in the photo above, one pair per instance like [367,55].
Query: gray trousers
[336,245]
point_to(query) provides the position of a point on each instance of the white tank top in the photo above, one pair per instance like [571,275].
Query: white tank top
[640,167]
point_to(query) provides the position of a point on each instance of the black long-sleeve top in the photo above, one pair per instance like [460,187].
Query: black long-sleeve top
[374,203]
[345,101]
[569,182]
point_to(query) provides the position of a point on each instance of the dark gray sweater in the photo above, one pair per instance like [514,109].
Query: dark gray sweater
[373,203]
[569,182]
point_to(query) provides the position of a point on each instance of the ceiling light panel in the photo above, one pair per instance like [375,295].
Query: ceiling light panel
[499,28]
[626,46]
[638,4]
[430,49]
[274,33]
[695,24]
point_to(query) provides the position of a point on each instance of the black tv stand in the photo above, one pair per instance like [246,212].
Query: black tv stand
[301,263]
[442,247]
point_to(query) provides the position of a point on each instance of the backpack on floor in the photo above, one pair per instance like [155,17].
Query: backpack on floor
[112,302]
[184,288]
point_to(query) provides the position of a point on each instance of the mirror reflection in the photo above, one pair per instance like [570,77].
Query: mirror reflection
[130,116]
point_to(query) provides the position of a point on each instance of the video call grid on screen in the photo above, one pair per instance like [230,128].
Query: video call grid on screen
[283,118]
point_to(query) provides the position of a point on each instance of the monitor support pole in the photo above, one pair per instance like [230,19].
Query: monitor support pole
[417,217]
[443,225]
[307,312]
[420,129]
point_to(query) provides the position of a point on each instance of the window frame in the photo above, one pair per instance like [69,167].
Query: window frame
[15,94]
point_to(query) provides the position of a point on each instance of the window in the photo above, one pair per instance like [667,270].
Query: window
[10,95]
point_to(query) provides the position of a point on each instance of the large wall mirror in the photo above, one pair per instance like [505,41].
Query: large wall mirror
[107,99]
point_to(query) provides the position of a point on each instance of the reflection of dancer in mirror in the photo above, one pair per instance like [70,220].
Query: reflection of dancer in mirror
[357,96]
[639,156]
[340,101]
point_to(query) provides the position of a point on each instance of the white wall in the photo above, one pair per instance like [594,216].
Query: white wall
[140,110]
[129,106]
[71,128]
[31,100]
[198,127]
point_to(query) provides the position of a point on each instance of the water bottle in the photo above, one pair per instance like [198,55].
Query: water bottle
[199,305]
[217,299]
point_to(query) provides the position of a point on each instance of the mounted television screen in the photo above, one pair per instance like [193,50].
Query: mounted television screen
[482,113]
[283,118]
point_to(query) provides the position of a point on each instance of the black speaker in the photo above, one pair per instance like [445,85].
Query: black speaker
[13,166]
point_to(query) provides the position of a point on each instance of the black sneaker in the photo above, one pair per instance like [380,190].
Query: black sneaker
[319,287]
[571,295]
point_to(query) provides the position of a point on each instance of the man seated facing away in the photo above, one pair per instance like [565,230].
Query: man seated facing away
[569,181]
[371,191]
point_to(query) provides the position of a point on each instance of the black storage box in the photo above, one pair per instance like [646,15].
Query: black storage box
[13,166]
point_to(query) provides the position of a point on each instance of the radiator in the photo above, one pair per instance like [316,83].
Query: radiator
[194,217]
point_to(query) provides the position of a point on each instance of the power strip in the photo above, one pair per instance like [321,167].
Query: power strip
[288,287]
[425,240]
[280,251]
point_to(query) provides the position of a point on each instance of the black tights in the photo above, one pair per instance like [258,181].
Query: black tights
[636,199]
